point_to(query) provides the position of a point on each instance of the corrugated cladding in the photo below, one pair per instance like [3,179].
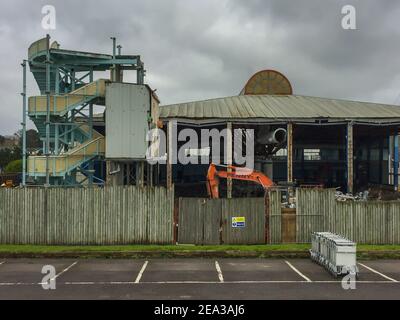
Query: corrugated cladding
[283,107]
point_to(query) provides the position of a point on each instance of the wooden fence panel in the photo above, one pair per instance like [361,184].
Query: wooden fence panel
[369,222]
[275,217]
[209,221]
[82,216]
[252,209]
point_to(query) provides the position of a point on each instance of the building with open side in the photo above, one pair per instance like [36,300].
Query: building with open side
[299,140]
[332,143]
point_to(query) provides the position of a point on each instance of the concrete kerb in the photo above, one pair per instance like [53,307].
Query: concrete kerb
[392,254]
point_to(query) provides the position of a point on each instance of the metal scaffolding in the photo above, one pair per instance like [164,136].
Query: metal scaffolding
[63,113]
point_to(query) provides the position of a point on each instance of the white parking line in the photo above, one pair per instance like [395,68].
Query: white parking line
[65,270]
[298,272]
[88,283]
[2,263]
[139,276]
[227,282]
[377,272]
[219,271]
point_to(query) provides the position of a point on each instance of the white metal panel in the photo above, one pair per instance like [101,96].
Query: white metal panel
[127,114]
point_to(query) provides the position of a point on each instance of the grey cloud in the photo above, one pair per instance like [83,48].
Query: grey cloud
[204,49]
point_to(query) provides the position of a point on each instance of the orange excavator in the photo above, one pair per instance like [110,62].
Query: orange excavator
[236,173]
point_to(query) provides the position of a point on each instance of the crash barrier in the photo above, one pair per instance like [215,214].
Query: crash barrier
[335,253]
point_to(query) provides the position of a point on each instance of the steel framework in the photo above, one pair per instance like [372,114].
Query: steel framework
[63,113]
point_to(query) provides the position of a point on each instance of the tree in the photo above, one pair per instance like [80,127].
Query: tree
[10,153]
[32,139]
[14,166]
[7,155]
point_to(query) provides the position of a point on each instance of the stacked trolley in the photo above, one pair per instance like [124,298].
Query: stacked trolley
[335,253]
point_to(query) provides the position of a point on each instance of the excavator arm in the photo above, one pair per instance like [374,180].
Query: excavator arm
[236,173]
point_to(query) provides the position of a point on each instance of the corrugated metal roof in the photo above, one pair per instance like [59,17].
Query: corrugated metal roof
[276,107]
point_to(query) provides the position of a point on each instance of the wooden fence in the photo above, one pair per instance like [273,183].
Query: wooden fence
[366,222]
[83,216]
[371,222]
[205,221]
[130,215]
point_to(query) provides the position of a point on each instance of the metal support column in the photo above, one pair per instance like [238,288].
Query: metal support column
[57,81]
[150,173]
[91,163]
[229,157]
[140,72]
[118,69]
[396,160]
[350,157]
[47,144]
[290,152]
[24,154]
[73,80]
[380,161]
[113,71]
[142,168]
[57,139]
[170,157]
[140,173]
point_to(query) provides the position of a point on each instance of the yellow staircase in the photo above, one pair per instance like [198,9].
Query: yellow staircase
[61,104]
[63,164]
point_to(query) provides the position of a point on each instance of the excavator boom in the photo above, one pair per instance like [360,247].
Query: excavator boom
[236,173]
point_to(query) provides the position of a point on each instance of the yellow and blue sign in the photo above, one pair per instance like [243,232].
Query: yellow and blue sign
[238,222]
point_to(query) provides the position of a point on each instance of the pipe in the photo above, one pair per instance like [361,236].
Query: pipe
[396,162]
[47,145]
[113,71]
[277,136]
[24,124]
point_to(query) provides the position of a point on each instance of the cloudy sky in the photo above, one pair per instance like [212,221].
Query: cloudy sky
[200,49]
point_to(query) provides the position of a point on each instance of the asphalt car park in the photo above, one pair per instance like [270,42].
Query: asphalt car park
[193,279]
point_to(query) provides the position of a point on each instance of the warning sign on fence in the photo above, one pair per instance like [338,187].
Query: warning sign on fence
[238,222]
